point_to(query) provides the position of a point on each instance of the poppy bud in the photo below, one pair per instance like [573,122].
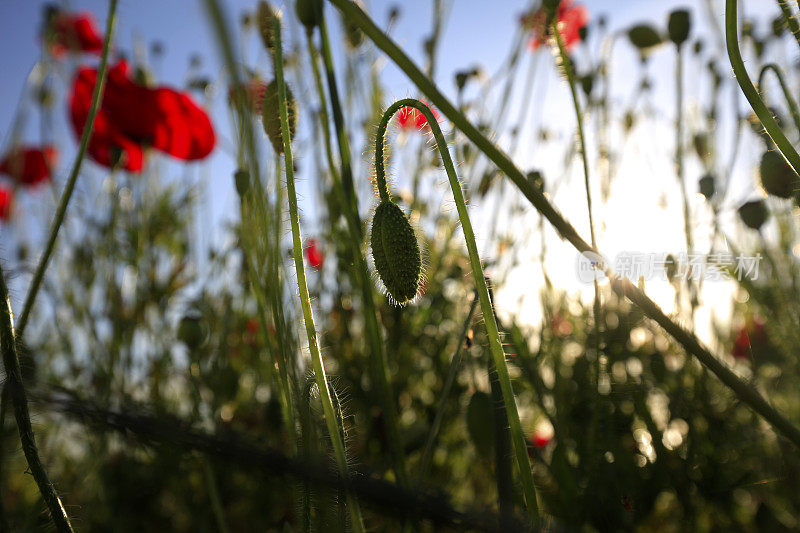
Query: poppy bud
[753,214]
[644,37]
[678,26]
[307,11]
[777,176]
[537,179]
[242,179]
[707,186]
[702,146]
[191,332]
[271,115]
[395,251]
[587,83]
[266,16]
[480,420]
[698,47]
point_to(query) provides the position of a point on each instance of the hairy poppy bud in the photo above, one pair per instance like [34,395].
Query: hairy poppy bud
[644,37]
[753,214]
[707,186]
[271,115]
[777,176]
[395,251]
[242,180]
[307,11]
[266,16]
[678,26]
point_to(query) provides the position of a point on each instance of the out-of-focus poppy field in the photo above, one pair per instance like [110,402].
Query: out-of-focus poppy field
[423,266]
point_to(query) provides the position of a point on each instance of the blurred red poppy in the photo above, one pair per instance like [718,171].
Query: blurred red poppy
[254,91]
[752,334]
[409,118]
[571,19]
[540,440]
[315,256]
[72,32]
[6,198]
[29,165]
[132,117]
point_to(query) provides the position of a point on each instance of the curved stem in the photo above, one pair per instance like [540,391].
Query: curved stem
[305,303]
[61,211]
[688,340]
[758,105]
[19,401]
[790,19]
[787,94]
[495,345]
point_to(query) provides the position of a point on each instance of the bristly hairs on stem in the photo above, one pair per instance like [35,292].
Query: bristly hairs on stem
[495,345]
[305,304]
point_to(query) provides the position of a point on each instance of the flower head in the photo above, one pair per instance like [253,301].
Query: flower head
[314,254]
[6,199]
[571,20]
[29,165]
[132,117]
[752,334]
[71,32]
[410,118]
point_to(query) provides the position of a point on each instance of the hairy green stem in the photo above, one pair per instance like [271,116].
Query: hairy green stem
[759,107]
[19,402]
[787,93]
[688,340]
[305,303]
[374,336]
[61,211]
[495,345]
[790,19]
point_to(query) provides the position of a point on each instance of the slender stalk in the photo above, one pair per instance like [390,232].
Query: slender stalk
[19,402]
[213,494]
[324,116]
[374,336]
[787,93]
[750,92]
[61,211]
[688,340]
[495,345]
[305,303]
[790,19]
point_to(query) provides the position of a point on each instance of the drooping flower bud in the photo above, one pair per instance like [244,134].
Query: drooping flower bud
[753,214]
[395,252]
[271,115]
[678,26]
[777,176]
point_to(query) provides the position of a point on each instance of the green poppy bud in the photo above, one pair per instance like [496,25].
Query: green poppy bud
[480,421]
[242,180]
[306,11]
[191,332]
[707,186]
[644,37]
[678,26]
[777,176]
[266,16]
[753,214]
[395,251]
[271,115]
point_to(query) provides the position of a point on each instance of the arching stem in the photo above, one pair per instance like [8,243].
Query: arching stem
[787,93]
[495,345]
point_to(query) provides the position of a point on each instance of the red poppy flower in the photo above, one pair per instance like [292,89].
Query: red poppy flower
[73,32]
[751,334]
[315,256]
[409,118]
[132,117]
[28,165]
[540,440]
[571,19]
[6,199]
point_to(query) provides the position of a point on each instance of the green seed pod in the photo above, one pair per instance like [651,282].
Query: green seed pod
[707,186]
[777,176]
[753,214]
[395,251]
[266,16]
[306,11]
[644,37]
[678,26]
[271,115]
[353,34]
[480,418]
[242,180]
[191,332]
